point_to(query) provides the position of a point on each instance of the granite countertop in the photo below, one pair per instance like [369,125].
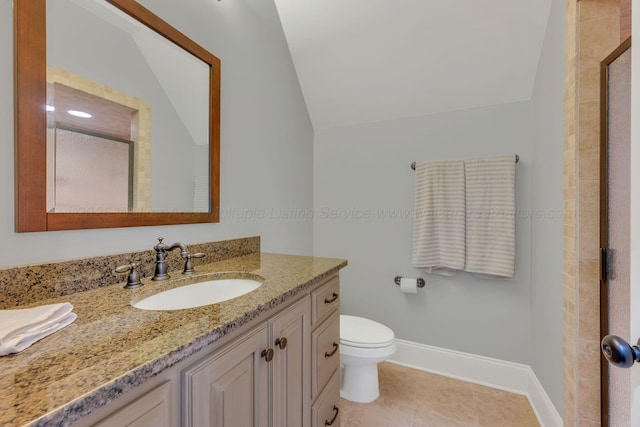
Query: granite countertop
[112,347]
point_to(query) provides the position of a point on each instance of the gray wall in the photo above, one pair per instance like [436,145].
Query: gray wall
[546,202]
[362,173]
[365,170]
[267,141]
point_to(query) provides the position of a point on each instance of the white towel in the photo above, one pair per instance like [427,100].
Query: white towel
[21,328]
[491,216]
[439,217]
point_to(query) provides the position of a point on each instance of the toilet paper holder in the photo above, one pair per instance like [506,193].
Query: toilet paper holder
[420,281]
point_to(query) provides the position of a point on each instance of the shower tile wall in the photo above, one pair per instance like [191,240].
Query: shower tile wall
[593,29]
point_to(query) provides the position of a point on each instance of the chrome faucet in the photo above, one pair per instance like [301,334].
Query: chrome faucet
[161,249]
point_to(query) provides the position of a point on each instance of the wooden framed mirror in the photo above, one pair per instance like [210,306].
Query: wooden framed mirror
[148,202]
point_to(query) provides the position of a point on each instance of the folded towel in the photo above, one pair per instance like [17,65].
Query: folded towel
[439,217]
[491,216]
[21,328]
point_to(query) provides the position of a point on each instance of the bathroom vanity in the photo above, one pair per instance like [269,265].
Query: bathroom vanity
[267,358]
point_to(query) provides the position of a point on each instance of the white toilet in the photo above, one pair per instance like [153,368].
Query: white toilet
[363,344]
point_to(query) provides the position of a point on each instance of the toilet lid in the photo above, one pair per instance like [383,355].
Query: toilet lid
[360,332]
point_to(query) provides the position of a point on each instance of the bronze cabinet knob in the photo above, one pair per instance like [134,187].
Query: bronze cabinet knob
[282,343]
[267,354]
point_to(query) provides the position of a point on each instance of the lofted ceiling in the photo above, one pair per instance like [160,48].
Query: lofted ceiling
[364,61]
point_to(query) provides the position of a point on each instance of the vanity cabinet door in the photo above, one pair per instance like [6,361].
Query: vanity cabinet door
[230,388]
[150,410]
[290,342]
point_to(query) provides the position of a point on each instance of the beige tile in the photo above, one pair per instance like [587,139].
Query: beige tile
[625,19]
[589,140]
[587,423]
[436,401]
[379,413]
[597,38]
[589,242]
[589,300]
[570,125]
[589,219]
[568,415]
[434,420]
[589,81]
[594,9]
[498,408]
[588,387]
[346,407]
[395,384]
[569,255]
[447,398]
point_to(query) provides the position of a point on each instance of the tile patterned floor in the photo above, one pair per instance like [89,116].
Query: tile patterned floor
[412,398]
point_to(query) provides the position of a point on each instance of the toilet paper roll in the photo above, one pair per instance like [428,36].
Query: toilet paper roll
[409,286]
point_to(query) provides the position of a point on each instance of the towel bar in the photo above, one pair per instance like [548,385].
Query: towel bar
[413,164]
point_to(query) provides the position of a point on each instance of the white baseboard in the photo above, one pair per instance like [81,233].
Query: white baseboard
[500,374]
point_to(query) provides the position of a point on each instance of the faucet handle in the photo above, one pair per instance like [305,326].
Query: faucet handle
[133,280]
[159,247]
[188,265]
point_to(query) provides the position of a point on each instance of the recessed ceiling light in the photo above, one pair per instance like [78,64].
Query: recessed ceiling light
[79,114]
[51,108]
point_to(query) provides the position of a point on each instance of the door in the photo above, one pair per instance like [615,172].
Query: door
[616,237]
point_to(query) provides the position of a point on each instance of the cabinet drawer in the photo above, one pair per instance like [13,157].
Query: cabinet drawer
[325,299]
[326,410]
[325,353]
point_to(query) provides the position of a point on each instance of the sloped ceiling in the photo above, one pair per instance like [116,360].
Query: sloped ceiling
[363,61]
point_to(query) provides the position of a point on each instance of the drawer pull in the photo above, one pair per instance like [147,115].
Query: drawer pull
[335,348]
[334,297]
[336,411]
[267,354]
[282,343]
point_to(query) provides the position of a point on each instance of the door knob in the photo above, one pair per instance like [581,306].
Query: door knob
[619,352]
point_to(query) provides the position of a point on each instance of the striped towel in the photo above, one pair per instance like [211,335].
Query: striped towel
[491,220]
[439,217]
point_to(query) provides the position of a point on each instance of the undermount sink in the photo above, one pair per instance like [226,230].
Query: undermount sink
[198,294]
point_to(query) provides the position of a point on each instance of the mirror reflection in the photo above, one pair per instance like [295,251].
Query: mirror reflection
[127,115]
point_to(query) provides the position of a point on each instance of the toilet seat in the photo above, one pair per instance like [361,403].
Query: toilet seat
[364,333]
